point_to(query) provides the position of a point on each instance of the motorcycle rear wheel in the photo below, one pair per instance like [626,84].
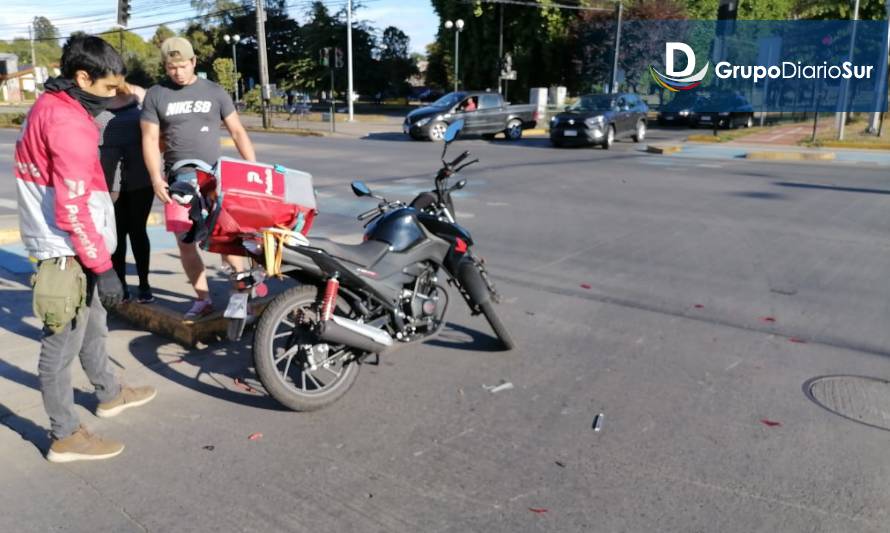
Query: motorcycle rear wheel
[282,333]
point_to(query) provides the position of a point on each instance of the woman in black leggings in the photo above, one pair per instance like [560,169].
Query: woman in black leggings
[121,155]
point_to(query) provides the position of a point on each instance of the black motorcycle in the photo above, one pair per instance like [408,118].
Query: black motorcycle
[358,301]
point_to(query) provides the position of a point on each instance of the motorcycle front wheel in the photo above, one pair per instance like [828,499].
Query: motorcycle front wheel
[296,370]
[495,322]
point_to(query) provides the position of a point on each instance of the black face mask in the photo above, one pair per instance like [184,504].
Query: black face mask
[92,103]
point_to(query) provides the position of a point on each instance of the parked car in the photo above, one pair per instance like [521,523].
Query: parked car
[600,119]
[677,112]
[725,110]
[483,114]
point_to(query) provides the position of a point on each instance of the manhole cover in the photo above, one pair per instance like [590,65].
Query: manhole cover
[858,398]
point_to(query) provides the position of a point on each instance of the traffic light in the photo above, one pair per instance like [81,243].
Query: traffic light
[123,12]
[338,58]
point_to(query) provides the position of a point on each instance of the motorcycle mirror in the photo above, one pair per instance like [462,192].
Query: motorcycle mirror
[360,189]
[460,185]
[453,130]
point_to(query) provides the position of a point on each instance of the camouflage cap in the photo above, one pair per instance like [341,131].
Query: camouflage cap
[177,49]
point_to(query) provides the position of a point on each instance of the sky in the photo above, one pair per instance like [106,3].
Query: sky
[415,17]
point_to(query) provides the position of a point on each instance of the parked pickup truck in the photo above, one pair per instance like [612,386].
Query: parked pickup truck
[484,114]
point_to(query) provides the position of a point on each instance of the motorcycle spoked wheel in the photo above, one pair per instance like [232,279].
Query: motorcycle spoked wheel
[296,378]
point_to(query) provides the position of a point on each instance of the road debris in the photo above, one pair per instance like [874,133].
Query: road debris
[560,464]
[586,286]
[797,340]
[537,510]
[244,386]
[209,447]
[598,422]
[767,319]
[505,385]
[770,423]
[255,436]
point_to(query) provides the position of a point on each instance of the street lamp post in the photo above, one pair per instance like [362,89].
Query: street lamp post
[458,26]
[234,40]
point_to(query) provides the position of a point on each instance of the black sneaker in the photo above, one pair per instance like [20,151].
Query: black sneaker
[145,296]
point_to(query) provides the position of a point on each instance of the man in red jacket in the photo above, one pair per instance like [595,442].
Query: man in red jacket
[66,219]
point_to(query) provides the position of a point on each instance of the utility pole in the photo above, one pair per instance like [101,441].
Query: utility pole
[31,31]
[501,46]
[349,58]
[264,62]
[842,117]
[614,86]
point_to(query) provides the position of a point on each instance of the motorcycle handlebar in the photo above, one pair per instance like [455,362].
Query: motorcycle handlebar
[459,159]
[369,213]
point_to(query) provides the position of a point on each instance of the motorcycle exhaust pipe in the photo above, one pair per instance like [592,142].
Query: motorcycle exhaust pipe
[339,330]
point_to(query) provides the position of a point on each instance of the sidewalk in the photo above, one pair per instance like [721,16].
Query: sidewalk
[739,150]
[358,128]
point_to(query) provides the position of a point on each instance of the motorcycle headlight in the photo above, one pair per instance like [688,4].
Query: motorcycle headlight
[423,122]
[594,121]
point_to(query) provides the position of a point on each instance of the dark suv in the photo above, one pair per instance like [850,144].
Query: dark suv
[600,119]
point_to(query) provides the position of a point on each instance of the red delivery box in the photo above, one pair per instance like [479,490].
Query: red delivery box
[251,196]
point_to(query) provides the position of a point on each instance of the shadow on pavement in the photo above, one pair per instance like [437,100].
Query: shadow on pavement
[26,428]
[388,136]
[760,195]
[460,337]
[218,366]
[832,188]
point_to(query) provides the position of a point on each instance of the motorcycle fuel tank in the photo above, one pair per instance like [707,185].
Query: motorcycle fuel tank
[399,228]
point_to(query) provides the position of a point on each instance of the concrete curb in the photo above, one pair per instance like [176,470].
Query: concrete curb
[791,156]
[157,319]
[664,149]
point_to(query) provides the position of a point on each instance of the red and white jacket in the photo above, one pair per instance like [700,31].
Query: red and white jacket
[64,205]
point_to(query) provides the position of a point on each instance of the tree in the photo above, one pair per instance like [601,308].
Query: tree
[395,61]
[225,73]
[833,10]
[162,34]
[44,29]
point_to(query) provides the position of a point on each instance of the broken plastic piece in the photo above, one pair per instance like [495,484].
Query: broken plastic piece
[598,422]
[699,306]
[255,436]
[797,340]
[243,386]
[503,386]
[770,423]
[209,447]
[560,464]
[767,319]
[537,510]
[586,286]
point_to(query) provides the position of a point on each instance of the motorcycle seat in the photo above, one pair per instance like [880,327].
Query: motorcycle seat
[365,254]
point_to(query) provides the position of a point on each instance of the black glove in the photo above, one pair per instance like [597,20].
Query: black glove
[111,292]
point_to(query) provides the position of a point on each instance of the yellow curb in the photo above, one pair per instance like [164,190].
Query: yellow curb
[9,236]
[536,131]
[704,139]
[856,146]
[160,320]
[665,150]
[792,156]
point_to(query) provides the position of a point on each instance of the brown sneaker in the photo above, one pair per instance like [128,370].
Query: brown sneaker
[128,397]
[83,446]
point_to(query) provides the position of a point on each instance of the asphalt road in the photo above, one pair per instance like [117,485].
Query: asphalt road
[686,300]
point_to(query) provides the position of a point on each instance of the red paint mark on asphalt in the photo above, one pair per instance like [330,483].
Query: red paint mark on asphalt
[537,510]
[770,423]
[255,436]
[586,286]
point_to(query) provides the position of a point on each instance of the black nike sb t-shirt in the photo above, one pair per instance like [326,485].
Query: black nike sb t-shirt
[189,117]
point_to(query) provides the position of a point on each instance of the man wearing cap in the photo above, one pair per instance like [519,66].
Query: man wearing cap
[185,111]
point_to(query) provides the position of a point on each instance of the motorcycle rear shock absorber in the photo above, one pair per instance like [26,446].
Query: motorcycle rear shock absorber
[330,298]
